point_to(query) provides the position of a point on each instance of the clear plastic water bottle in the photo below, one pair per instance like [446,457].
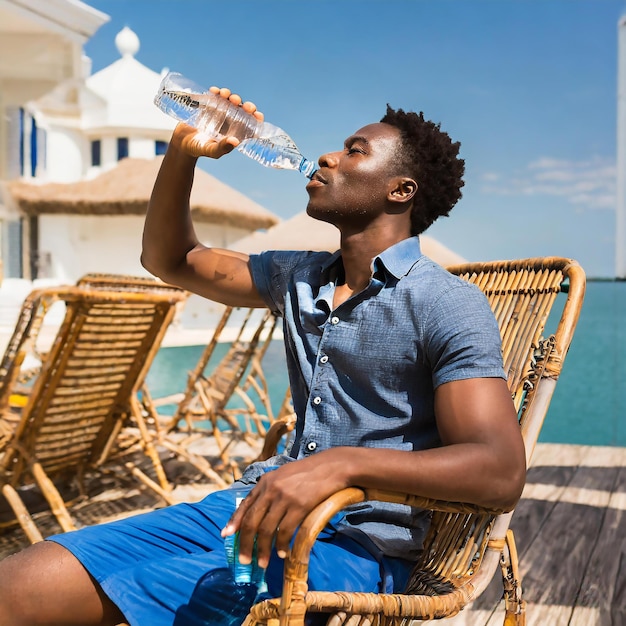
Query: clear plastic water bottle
[216,117]
[248,573]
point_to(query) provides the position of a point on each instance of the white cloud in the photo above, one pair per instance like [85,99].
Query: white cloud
[588,184]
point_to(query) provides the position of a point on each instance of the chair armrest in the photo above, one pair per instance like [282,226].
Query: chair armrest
[297,563]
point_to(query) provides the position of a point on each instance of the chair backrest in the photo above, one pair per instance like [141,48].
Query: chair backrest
[127,282]
[98,360]
[522,294]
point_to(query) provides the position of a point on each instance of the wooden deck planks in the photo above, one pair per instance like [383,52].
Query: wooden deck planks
[575,562]
[604,582]
[570,529]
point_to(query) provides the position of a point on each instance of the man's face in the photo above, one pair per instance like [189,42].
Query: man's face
[355,181]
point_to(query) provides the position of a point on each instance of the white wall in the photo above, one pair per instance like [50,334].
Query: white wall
[64,155]
[110,244]
[81,244]
[141,148]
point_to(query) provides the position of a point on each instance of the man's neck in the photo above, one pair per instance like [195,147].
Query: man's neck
[357,252]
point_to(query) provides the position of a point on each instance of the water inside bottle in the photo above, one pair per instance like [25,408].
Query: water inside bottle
[250,573]
[211,114]
[277,151]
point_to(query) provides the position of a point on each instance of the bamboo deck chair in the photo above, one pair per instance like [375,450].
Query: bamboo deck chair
[145,421]
[229,401]
[465,544]
[83,393]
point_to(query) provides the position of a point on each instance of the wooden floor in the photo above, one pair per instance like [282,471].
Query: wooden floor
[570,529]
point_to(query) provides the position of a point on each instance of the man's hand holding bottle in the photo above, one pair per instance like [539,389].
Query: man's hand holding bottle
[197,144]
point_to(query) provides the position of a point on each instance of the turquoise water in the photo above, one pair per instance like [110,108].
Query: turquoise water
[589,404]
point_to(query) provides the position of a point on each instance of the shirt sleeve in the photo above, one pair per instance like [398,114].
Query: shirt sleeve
[273,271]
[462,338]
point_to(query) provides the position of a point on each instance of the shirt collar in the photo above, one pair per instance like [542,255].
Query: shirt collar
[401,257]
[397,259]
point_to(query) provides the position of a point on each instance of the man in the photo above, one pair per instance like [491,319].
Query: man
[396,373]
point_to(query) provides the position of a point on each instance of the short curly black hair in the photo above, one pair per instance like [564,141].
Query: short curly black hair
[432,159]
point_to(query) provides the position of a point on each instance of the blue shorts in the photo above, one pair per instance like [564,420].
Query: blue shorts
[150,565]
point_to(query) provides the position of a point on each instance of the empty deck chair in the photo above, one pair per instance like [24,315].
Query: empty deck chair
[465,544]
[145,417]
[227,399]
[85,391]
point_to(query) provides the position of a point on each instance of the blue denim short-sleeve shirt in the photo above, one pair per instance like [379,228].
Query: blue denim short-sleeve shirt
[365,373]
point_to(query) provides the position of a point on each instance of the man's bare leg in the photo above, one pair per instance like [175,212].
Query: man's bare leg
[45,585]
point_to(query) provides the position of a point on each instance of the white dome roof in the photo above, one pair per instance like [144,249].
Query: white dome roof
[127,42]
[128,87]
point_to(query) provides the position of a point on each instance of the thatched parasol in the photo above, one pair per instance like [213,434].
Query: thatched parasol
[125,190]
[302,232]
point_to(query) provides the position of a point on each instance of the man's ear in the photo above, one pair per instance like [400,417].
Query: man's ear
[402,190]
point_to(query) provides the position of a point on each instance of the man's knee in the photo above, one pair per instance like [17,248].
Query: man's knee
[14,587]
[46,582]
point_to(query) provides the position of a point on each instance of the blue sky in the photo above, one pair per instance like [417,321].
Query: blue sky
[527,86]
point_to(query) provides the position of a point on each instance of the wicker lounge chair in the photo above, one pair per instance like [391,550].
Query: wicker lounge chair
[145,417]
[222,399]
[466,543]
[68,417]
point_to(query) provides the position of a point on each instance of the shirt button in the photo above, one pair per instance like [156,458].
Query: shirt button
[311,446]
[324,359]
[334,320]
[317,400]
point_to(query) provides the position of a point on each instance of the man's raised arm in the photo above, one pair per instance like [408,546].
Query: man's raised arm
[171,249]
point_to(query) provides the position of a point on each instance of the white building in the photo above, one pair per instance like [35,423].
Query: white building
[41,46]
[84,204]
[79,154]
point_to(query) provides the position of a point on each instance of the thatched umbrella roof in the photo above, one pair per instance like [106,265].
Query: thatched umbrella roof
[125,190]
[305,233]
